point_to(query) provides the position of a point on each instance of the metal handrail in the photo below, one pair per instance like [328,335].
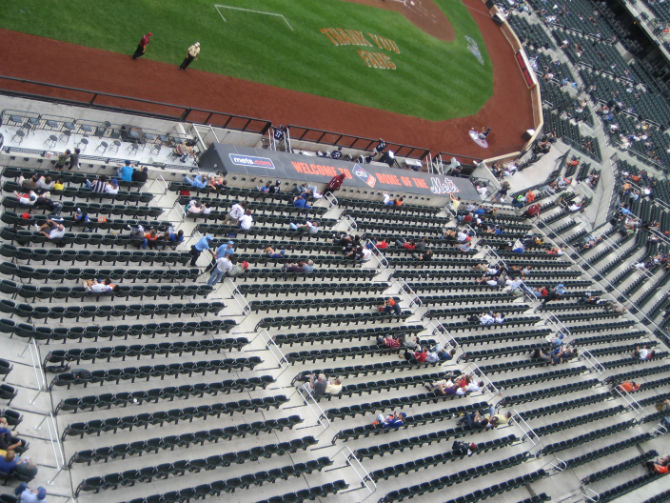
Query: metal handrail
[183,111]
[414,299]
[363,475]
[630,401]
[592,362]
[527,431]
[321,417]
[378,255]
[275,351]
[603,278]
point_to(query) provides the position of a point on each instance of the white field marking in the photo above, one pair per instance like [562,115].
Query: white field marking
[219,6]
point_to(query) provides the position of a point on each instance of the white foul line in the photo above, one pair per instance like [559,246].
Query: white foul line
[253,11]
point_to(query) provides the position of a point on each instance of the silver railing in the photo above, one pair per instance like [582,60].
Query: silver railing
[592,362]
[321,418]
[587,268]
[527,432]
[628,398]
[352,462]
[275,351]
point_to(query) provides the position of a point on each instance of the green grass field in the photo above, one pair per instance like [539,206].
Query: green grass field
[434,80]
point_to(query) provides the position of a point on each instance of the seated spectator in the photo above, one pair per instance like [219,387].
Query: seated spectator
[471,387]
[365,254]
[174,238]
[406,244]
[301,267]
[52,230]
[271,253]
[334,387]
[125,172]
[12,464]
[58,185]
[112,187]
[443,354]
[140,175]
[97,286]
[97,186]
[81,216]
[389,305]
[301,202]
[382,244]
[238,268]
[459,448]
[628,386]
[395,420]
[491,281]
[418,356]
[150,239]
[425,256]
[474,421]
[316,387]
[643,353]
[659,466]
[464,247]
[183,151]
[194,207]
[533,211]
[236,212]
[246,221]
[336,154]
[26,198]
[308,227]
[9,442]
[27,495]
[198,182]
[388,200]
[484,319]
[44,183]
[28,183]
[389,341]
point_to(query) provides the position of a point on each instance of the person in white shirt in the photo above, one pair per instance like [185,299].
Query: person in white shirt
[223,266]
[52,230]
[112,188]
[366,254]
[246,221]
[95,286]
[486,319]
[45,183]
[28,199]
[236,212]
[470,388]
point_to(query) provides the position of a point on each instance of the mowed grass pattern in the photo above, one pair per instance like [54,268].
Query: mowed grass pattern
[434,80]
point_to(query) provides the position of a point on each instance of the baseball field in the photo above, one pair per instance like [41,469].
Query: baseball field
[344,50]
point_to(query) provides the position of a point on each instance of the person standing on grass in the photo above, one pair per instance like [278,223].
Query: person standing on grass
[142,46]
[192,54]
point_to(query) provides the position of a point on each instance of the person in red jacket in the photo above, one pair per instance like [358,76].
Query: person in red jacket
[335,183]
[142,46]
[418,356]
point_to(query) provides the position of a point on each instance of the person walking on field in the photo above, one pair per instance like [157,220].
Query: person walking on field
[191,55]
[142,46]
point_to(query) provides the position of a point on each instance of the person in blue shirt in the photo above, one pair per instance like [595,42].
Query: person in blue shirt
[125,172]
[8,462]
[199,247]
[301,202]
[199,182]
